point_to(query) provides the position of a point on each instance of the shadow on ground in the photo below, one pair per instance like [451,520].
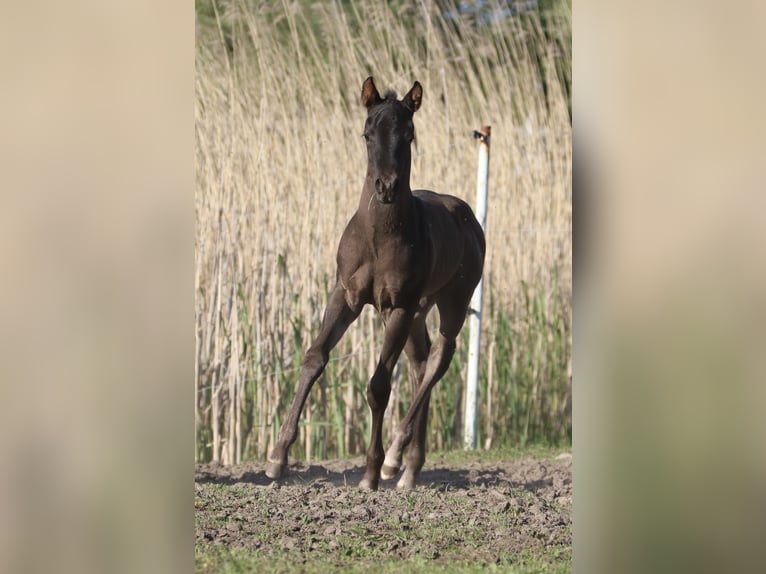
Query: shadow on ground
[530,475]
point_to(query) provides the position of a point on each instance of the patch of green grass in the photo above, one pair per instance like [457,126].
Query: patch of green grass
[218,559]
[499,454]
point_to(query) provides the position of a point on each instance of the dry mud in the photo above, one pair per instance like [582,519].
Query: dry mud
[477,511]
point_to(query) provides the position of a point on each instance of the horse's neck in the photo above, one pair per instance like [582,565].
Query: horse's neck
[384,220]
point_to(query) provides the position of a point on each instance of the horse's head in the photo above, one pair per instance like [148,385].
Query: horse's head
[389,132]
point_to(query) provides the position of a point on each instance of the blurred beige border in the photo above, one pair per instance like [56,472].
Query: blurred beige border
[668,397]
[96,252]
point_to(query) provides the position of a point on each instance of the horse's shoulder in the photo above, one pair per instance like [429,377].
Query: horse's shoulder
[353,258]
[352,234]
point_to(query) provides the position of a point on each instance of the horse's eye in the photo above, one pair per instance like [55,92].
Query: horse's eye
[366,137]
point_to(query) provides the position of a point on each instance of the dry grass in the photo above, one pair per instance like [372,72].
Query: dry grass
[280,163]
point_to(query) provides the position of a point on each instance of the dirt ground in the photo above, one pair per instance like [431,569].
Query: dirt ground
[471,511]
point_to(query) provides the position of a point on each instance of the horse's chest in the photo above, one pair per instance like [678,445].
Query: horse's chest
[389,296]
[385,290]
[387,277]
[395,286]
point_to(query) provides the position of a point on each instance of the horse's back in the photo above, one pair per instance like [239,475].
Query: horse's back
[456,237]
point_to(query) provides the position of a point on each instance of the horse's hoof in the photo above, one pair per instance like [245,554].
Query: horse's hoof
[406,483]
[275,470]
[367,484]
[388,472]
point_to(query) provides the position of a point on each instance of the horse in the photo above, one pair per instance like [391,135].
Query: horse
[403,252]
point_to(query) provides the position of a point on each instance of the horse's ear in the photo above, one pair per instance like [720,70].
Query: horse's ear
[370,95]
[413,98]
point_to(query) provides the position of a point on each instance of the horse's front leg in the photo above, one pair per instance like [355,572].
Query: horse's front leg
[337,318]
[379,389]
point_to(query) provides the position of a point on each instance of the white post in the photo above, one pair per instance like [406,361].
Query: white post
[472,383]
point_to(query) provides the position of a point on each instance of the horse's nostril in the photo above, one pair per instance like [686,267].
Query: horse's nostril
[385,187]
[385,183]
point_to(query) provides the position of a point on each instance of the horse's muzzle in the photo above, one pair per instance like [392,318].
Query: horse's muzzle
[385,189]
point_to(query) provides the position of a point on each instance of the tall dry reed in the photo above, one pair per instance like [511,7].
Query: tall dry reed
[280,163]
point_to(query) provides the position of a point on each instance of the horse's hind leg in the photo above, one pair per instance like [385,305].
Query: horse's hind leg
[416,452]
[417,349]
[452,313]
[438,361]
[337,318]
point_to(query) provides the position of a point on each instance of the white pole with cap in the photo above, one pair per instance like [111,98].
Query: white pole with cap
[472,382]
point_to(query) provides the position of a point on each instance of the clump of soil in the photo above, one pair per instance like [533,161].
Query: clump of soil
[479,511]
